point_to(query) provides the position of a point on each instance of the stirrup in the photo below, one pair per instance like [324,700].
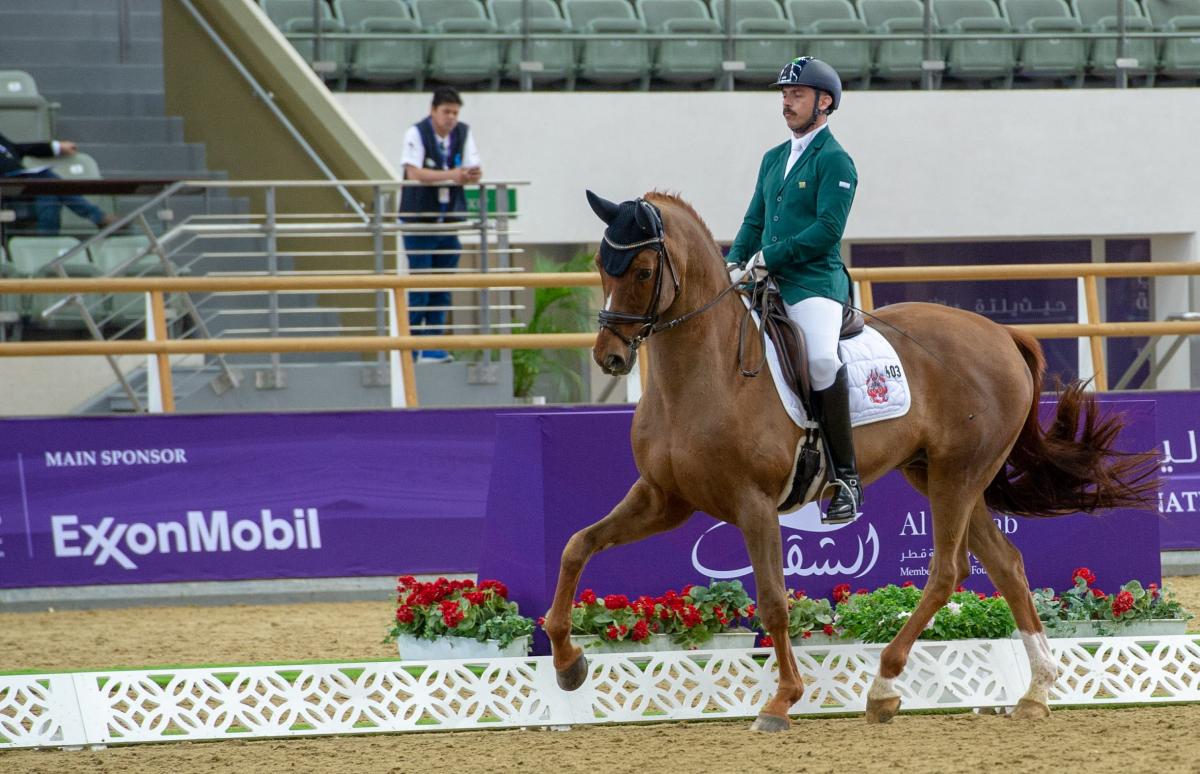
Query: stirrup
[852,489]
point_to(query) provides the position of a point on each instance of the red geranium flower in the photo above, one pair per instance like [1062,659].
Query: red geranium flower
[616,601]
[960,587]
[981,595]
[806,635]
[862,591]
[800,592]
[686,590]
[841,592]
[541,621]
[766,641]
[495,586]
[640,631]
[690,616]
[828,629]
[1098,594]
[404,614]
[907,585]
[451,615]
[588,597]
[1123,603]
[1082,572]
[997,595]
[474,597]
[1153,589]
[612,632]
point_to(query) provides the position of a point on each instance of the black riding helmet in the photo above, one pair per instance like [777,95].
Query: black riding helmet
[806,71]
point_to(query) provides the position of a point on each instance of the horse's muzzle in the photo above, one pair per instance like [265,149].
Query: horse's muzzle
[615,365]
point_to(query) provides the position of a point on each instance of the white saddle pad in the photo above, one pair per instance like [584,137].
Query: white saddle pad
[878,385]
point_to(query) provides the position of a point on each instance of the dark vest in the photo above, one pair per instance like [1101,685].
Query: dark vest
[425,198]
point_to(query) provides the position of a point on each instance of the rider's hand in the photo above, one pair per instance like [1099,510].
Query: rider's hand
[757,267]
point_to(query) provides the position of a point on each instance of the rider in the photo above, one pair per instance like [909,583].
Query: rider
[792,230]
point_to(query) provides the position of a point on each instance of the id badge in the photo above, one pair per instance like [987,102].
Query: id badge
[443,196]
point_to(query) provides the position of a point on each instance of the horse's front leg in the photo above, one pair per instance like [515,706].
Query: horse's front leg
[644,511]
[763,543]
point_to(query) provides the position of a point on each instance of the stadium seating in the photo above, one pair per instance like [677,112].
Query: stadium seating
[556,57]
[296,17]
[1049,58]
[610,61]
[24,113]
[763,58]
[896,60]
[385,61]
[975,60]
[684,60]
[30,255]
[1178,57]
[78,166]
[852,59]
[1101,16]
[460,61]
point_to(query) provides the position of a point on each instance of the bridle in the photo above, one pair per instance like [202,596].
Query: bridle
[649,320]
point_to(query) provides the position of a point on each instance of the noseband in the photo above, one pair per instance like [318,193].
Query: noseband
[649,319]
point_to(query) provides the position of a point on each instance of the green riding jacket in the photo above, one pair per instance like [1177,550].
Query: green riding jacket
[798,221]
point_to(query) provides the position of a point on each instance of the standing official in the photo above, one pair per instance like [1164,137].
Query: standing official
[793,230]
[437,149]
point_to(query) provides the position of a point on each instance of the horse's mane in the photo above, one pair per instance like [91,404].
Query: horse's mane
[670,198]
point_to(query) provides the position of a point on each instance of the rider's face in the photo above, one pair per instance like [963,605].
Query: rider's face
[798,104]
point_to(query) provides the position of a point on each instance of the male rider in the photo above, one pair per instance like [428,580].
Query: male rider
[792,230]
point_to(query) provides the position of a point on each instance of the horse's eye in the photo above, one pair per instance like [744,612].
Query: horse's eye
[643,274]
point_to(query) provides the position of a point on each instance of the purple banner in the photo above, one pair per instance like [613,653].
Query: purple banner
[555,475]
[1179,499]
[195,498]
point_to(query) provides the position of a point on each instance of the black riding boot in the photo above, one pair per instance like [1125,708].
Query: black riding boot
[832,407]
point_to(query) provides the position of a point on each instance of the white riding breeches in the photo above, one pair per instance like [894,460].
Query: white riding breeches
[821,321]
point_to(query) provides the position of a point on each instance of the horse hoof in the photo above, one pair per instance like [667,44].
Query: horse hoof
[769,724]
[573,676]
[882,710]
[1027,709]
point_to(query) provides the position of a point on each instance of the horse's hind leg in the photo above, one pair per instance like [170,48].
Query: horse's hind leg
[1005,567]
[951,497]
[644,511]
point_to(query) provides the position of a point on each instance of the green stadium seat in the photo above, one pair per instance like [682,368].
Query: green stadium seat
[114,257]
[1049,58]
[460,61]
[975,60]
[280,12]
[763,58]
[851,58]
[353,13]
[1101,16]
[30,256]
[556,57]
[24,113]
[1179,58]
[683,61]
[610,62]
[78,166]
[335,51]
[897,60]
[389,61]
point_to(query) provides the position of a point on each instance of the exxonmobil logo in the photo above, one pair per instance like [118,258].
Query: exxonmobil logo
[198,533]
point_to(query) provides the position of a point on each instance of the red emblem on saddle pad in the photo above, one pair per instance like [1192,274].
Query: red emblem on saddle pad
[877,387]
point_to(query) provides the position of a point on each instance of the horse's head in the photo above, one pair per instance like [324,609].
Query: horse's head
[638,276]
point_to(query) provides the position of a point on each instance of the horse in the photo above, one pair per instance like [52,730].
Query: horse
[706,438]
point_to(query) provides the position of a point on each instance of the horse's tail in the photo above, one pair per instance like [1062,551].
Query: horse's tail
[1072,466]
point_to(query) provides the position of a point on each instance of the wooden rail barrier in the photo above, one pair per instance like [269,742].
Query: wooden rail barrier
[866,278]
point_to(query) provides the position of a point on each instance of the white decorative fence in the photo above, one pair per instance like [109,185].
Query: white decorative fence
[119,707]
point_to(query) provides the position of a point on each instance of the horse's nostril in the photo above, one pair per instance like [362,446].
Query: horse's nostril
[614,363]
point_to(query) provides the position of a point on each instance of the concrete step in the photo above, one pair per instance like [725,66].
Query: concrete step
[23,53]
[53,79]
[92,24]
[108,105]
[88,129]
[146,156]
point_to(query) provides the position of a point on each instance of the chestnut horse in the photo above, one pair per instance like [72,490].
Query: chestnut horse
[707,438]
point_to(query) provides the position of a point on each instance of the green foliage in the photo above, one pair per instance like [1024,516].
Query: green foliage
[1108,612]
[555,310]
[806,614]
[879,615]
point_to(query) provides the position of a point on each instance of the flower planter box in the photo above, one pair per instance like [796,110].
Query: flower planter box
[419,649]
[1154,627]
[594,643]
[742,639]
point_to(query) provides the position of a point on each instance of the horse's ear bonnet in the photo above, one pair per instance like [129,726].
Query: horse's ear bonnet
[632,227]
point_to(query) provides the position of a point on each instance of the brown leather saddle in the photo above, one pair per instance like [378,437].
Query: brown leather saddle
[789,339]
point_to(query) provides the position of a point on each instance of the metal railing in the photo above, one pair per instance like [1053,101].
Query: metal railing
[269,244]
[402,340]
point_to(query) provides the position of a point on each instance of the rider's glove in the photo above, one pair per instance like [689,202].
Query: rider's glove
[753,270]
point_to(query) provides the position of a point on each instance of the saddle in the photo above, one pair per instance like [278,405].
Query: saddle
[793,363]
[789,339]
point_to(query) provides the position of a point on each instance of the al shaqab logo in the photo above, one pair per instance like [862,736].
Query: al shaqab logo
[802,557]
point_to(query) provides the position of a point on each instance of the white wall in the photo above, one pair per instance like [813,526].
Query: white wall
[932,165]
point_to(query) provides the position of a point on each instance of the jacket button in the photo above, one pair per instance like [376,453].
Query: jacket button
[776,218]
[774,239]
[778,198]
